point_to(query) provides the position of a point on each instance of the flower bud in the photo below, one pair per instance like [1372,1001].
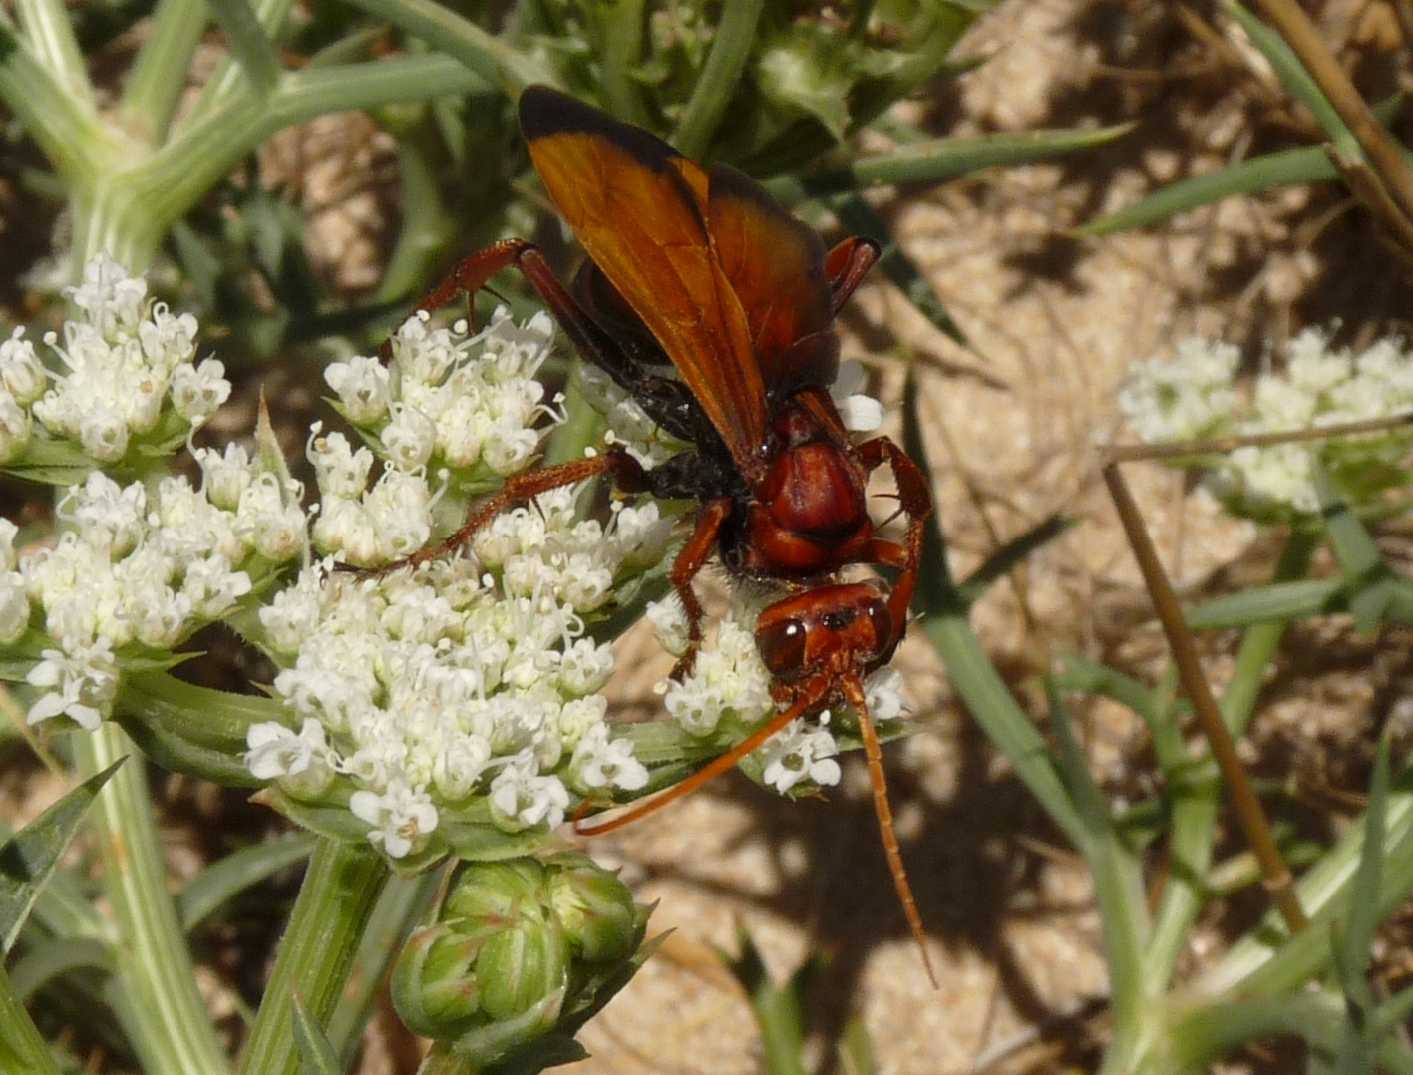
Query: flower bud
[519,952]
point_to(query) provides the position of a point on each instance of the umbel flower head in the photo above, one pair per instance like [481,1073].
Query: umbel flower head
[128,383]
[1192,397]
[452,709]
[518,956]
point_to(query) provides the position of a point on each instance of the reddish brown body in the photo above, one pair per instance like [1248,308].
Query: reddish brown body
[701,270]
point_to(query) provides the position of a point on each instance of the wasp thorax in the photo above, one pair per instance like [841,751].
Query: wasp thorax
[804,633]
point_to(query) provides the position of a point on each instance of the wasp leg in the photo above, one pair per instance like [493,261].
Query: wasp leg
[627,474]
[684,569]
[812,695]
[667,402]
[847,265]
[916,502]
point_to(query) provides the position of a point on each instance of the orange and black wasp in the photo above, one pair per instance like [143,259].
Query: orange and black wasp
[713,307]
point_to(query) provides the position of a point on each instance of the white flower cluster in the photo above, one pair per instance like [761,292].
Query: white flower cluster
[140,567]
[471,675]
[452,398]
[1192,397]
[729,680]
[126,357]
[630,427]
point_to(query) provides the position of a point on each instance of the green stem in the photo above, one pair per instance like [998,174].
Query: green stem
[490,57]
[65,126]
[230,79]
[1201,1036]
[249,45]
[1198,799]
[158,75]
[151,955]
[21,1046]
[993,707]
[622,51]
[46,26]
[339,892]
[400,906]
[735,35]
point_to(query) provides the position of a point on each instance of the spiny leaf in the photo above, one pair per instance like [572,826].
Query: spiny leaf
[29,857]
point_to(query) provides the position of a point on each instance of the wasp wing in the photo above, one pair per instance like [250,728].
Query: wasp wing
[635,205]
[776,265]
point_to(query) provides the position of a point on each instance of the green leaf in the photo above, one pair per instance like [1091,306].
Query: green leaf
[856,1054]
[779,1009]
[940,159]
[235,873]
[30,856]
[1273,602]
[1289,167]
[1355,1053]
[1296,79]
[53,957]
[1011,554]
[317,1056]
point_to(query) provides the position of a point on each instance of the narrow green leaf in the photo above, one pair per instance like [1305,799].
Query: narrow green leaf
[53,957]
[779,1009]
[856,1055]
[248,43]
[720,76]
[1263,604]
[1363,916]
[316,1055]
[1393,1012]
[29,857]
[940,159]
[1308,164]
[235,873]
[22,1049]
[1117,882]
[1296,79]
[1008,556]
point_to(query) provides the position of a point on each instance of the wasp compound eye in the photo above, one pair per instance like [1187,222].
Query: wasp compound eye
[882,624]
[782,647]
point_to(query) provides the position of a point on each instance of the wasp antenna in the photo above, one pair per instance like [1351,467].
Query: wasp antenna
[853,690]
[810,696]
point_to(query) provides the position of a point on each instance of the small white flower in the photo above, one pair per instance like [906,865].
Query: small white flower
[522,799]
[109,515]
[103,433]
[339,470]
[212,586]
[225,477]
[293,613]
[669,623]
[14,606]
[274,751]
[861,412]
[270,520]
[599,762]
[409,438]
[21,372]
[362,385]
[197,391]
[8,530]
[15,428]
[459,765]
[584,668]
[401,818]
[798,752]
[82,684]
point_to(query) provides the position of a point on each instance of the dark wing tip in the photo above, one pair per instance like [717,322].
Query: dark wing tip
[545,111]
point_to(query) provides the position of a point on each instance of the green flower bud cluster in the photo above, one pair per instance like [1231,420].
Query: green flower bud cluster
[518,955]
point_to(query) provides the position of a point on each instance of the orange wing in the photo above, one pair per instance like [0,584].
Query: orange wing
[635,206]
[776,265]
